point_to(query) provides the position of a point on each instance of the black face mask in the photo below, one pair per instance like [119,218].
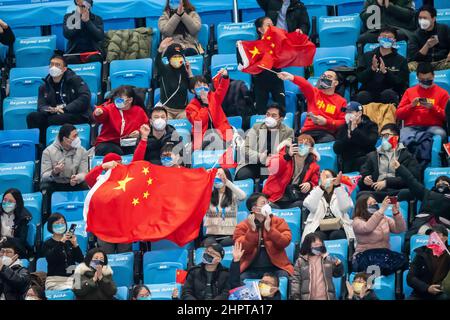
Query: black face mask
[442,189]
[324,83]
[426,83]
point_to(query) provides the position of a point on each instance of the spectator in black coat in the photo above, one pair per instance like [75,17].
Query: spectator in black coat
[289,15]
[84,32]
[14,278]
[427,271]
[379,178]
[355,139]
[430,42]
[61,252]
[7,37]
[208,280]
[63,98]
[14,219]
[383,72]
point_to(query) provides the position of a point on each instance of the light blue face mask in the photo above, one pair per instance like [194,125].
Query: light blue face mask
[120,103]
[218,183]
[327,183]
[167,161]
[8,206]
[303,149]
[173,4]
[59,228]
[144,298]
[387,42]
[386,145]
[199,90]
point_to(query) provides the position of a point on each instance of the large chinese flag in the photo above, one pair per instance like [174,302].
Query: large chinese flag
[146,202]
[253,54]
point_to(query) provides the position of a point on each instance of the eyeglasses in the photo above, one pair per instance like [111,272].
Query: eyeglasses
[387,135]
[6,251]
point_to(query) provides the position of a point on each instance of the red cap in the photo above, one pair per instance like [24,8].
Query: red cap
[112,157]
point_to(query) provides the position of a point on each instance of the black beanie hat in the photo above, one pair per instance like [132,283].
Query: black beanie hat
[174,49]
[439,228]
[211,242]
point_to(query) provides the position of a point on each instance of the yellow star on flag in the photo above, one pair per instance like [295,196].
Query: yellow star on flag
[254,52]
[149,181]
[269,37]
[145,170]
[123,183]
[146,194]
[272,45]
[135,201]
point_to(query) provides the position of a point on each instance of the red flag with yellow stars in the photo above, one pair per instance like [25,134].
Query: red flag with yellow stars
[145,202]
[253,54]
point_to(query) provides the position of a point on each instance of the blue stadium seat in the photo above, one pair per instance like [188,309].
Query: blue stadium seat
[338,249]
[241,216]
[316,10]
[283,286]
[229,33]
[226,261]
[163,291]
[235,122]
[35,51]
[208,159]
[131,72]
[290,252]
[122,293]
[443,16]
[161,266]
[91,73]
[25,263]
[407,290]
[25,82]
[338,287]
[196,65]
[417,240]
[259,118]
[180,124]
[118,24]
[203,36]
[293,218]
[396,243]
[41,265]
[327,58]
[383,286]
[402,47]
[80,232]
[251,14]
[229,62]
[403,210]
[15,111]
[59,294]
[18,175]
[157,94]
[339,31]
[169,245]
[97,160]
[122,265]
[328,159]
[441,4]
[27,31]
[69,203]
[431,174]
[296,71]
[216,16]
[248,186]
[18,145]
[349,7]
[441,78]
[303,119]
[33,203]
[84,132]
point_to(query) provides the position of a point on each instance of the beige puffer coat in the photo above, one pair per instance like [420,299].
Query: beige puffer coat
[128,44]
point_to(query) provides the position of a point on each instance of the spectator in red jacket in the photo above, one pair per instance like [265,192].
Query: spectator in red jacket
[121,117]
[205,111]
[294,173]
[325,113]
[423,106]
[264,238]
[110,161]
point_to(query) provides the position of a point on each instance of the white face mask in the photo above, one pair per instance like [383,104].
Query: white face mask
[31,298]
[76,143]
[55,71]
[266,210]
[424,24]
[349,117]
[159,124]
[7,261]
[270,122]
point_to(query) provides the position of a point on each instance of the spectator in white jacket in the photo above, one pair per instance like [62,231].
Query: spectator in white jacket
[328,206]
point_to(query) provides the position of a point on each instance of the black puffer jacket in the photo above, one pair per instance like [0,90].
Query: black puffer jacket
[21,221]
[195,286]
[153,151]
[399,14]
[75,93]
[14,281]
[7,37]
[88,289]
[420,37]
[296,15]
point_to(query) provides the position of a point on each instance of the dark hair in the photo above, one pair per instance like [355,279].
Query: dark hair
[391,126]
[440,178]
[52,219]
[305,248]
[280,108]
[156,109]
[168,147]
[17,195]
[388,29]
[333,173]
[251,201]
[38,291]
[424,68]
[361,207]
[228,196]
[137,288]
[130,92]
[273,276]
[187,5]
[65,130]
[259,22]
[430,9]
[90,254]
[11,243]
[361,275]
[197,79]
[60,57]
[338,75]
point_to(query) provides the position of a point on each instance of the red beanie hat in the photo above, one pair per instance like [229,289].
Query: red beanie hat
[112,157]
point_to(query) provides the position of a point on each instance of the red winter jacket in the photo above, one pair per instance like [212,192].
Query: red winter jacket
[419,115]
[282,170]
[111,121]
[320,104]
[196,112]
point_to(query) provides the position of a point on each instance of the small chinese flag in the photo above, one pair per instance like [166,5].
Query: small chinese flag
[181,276]
[350,182]
[84,56]
[252,54]
[436,245]
[394,142]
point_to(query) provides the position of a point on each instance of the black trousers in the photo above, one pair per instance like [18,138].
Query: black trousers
[351,164]
[264,83]
[104,148]
[386,96]
[43,120]
[403,194]
[252,171]
[321,136]
[332,234]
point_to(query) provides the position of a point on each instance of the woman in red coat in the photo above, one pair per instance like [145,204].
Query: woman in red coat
[120,117]
[294,172]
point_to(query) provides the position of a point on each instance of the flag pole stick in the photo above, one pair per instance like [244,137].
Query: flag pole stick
[267,69]
[226,66]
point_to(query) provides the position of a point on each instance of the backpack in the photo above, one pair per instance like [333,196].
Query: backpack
[238,102]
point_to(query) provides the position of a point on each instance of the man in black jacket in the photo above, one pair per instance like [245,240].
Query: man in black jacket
[63,98]
[289,15]
[427,270]
[430,42]
[84,32]
[7,37]
[208,280]
[383,73]
[355,139]
[14,278]
[379,178]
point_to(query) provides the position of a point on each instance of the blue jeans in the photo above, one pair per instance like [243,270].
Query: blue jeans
[434,130]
